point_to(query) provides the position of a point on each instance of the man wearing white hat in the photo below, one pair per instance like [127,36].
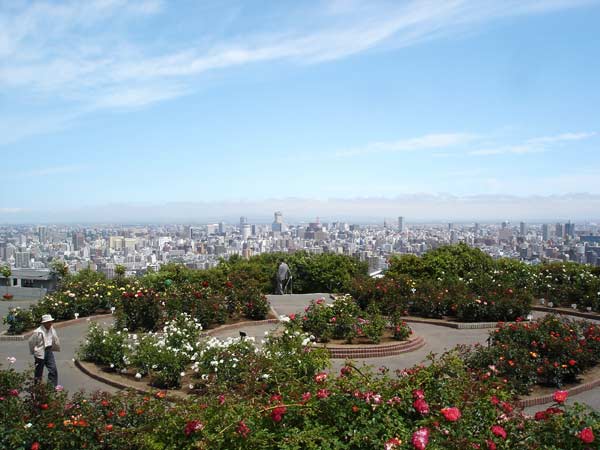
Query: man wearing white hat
[42,343]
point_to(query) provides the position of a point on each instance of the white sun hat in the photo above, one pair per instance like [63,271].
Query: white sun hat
[47,318]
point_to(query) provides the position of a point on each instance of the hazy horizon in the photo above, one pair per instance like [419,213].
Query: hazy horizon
[415,209]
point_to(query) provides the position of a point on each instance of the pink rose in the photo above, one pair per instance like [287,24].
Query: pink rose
[451,414]
[420,438]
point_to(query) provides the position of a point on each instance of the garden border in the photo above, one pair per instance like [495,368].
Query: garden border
[345,351]
[455,325]
[4,336]
[549,398]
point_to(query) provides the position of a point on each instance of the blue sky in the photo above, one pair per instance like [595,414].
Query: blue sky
[238,107]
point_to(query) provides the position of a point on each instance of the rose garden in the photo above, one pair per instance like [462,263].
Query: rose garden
[279,391]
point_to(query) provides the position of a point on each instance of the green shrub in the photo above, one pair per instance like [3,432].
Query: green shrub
[19,320]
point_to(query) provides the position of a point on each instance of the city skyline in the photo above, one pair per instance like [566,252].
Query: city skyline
[154,111]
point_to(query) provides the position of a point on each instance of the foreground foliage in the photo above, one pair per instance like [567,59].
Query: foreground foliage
[441,406]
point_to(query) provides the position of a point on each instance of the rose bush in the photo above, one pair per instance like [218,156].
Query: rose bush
[357,409]
[550,351]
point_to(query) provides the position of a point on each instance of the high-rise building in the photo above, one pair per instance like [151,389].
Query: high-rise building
[522,228]
[116,242]
[246,231]
[569,229]
[42,234]
[221,227]
[400,224]
[243,221]
[545,232]
[22,259]
[559,230]
[450,226]
[78,240]
[277,225]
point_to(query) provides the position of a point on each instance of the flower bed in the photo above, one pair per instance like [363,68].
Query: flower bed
[144,304]
[441,406]
[344,320]
[178,356]
[551,351]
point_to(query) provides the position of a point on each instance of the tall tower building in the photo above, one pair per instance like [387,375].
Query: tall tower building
[42,234]
[78,240]
[400,224]
[221,227]
[243,221]
[545,232]
[277,222]
[559,230]
[569,229]
[522,228]
[246,231]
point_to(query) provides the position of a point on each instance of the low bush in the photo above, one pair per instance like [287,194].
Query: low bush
[19,320]
[550,351]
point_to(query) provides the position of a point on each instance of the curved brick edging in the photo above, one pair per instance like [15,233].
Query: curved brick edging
[65,323]
[375,350]
[455,325]
[93,372]
[548,398]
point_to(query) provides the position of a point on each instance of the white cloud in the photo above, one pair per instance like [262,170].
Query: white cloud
[564,137]
[81,55]
[534,145]
[426,142]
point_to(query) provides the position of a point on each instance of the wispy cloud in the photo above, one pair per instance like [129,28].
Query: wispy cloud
[87,58]
[426,142]
[534,145]
[564,137]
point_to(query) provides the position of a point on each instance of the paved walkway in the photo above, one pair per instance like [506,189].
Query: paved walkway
[438,339]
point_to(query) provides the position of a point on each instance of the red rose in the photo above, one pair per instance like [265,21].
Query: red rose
[243,429]
[421,406]
[494,400]
[560,396]
[491,445]
[418,393]
[277,413]
[35,446]
[205,284]
[507,407]
[572,362]
[540,415]
[192,426]
[451,414]
[44,406]
[108,427]
[392,443]
[586,435]
[320,377]
[322,393]
[420,438]
[499,431]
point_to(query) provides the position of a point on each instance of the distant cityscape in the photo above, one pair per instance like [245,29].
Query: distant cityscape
[137,248]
